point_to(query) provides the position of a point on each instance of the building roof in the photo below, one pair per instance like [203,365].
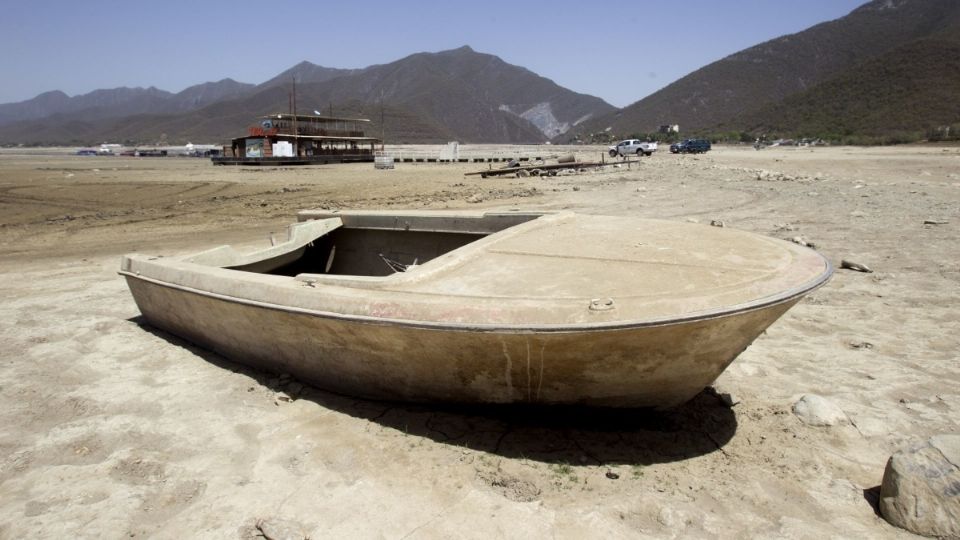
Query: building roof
[314,137]
[311,118]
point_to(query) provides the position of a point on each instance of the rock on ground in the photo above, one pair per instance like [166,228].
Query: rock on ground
[815,410]
[921,488]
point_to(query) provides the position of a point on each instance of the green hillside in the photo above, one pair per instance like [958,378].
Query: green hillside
[900,97]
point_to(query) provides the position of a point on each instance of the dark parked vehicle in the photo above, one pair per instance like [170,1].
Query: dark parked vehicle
[690,146]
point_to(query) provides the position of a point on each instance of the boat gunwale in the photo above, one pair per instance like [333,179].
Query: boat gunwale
[527,328]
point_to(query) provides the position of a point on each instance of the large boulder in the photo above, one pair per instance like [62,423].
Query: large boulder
[921,488]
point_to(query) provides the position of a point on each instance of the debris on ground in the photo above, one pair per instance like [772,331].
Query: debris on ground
[819,411]
[850,265]
[801,241]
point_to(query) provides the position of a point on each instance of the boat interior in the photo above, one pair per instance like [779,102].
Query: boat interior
[370,244]
[371,252]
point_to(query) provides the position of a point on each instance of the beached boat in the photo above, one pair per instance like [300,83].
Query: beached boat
[494,308]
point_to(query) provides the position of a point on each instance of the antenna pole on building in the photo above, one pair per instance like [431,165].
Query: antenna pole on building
[296,131]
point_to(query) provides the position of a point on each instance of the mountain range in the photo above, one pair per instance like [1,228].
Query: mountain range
[888,67]
[458,94]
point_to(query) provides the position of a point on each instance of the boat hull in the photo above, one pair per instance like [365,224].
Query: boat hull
[659,364]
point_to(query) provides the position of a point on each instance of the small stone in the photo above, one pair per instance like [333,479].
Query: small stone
[280,529]
[861,345]
[672,519]
[815,410]
[475,198]
[717,223]
[282,396]
[921,488]
[612,475]
[801,241]
[935,222]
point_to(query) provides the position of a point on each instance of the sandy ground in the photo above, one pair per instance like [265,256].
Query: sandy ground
[109,428]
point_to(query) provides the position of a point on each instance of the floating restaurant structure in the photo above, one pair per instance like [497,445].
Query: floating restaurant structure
[292,139]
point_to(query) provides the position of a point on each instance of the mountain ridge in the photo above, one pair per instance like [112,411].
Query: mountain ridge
[740,84]
[841,79]
[456,94]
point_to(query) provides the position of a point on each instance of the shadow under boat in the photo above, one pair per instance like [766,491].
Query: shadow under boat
[555,434]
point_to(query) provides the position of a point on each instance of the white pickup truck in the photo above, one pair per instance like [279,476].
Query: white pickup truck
[633,146]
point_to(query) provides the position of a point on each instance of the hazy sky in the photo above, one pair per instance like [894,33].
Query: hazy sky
[619,50]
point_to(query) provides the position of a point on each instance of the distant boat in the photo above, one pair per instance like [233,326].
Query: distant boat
[492,308]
